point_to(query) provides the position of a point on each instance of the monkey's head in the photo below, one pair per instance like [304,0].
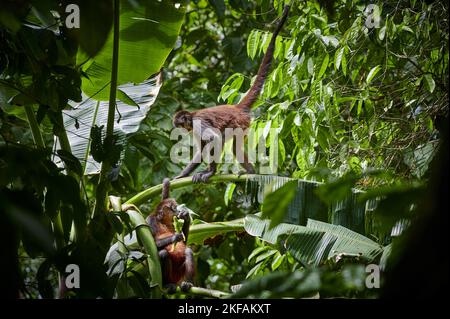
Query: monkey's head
[183,119]
[166,210]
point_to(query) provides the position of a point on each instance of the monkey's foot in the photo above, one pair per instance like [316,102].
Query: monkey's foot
[250,170]
[202,177]
[186,285]
[240,173]
[171,288]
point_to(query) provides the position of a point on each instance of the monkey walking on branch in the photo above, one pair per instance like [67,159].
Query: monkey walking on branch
[218,118]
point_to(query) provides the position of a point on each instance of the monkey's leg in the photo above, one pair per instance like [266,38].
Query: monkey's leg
[242,157]
[189,270]
[211,142]
[166,268]
[196,161]
[161,243]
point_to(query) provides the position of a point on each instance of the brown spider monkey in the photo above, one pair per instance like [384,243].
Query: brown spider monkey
[226,116]
[177,260]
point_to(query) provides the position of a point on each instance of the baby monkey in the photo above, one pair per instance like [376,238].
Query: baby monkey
[177,260]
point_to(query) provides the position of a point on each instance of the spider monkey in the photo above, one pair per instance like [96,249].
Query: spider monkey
[225,116]
[177,260]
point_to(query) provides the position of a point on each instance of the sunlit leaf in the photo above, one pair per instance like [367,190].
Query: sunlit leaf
[430,82]
[338,57]
[372,73]
[148,33]
[324,66]
[229,193]
[253,43]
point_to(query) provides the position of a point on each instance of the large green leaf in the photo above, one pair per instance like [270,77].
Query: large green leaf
[148,31]
[420,158]
[94,15]
[276,203]
[260,228]
[199,232]
[315,242]
[303,205]
[335,241]
[83,116]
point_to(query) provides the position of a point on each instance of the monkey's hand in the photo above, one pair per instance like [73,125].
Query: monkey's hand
[184,214]
[185,286]
[178,237]
[171,289]
[241,172]
[202,177]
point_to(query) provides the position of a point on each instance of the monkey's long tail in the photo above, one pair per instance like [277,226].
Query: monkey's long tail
[264,68]
[166,188]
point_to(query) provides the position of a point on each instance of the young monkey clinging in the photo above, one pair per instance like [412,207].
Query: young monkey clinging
[220,117]
[177,260]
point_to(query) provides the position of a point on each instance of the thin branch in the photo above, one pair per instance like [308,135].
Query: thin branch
[103,183]
[203,292]
[182,182]
[34,126]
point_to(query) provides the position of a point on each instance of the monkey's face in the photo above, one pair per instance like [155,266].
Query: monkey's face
[167,209]
[183,119]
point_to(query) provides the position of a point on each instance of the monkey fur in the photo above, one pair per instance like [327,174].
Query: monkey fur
[227,116]
[177,260]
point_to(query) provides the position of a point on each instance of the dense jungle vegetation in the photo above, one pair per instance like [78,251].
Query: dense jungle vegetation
[354,114]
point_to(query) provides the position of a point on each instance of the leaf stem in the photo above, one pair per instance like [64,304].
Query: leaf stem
[203,292]
[104,183]
[145,237]
[179,183]
[34,126]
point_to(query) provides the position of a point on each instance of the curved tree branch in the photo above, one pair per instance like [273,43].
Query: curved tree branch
[203,292]
[182,182]
[145,236]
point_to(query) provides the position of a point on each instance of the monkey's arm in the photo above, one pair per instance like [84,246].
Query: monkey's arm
[184,215]
[212,139]
[189,270]
[163,242]
[191,166]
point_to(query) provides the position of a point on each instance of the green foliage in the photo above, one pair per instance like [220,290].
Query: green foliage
[200,232]
[313,283]
[353,120]
[39,73]
[147,34]
[276,203]
[316,242]
[355,107]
